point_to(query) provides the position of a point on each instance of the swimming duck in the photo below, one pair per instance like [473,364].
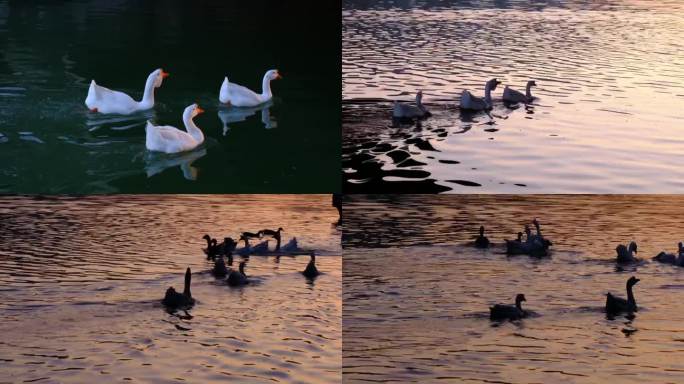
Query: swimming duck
[512,96]
[670,258]
[290,246]
[104,100]
[168,139]
[508,312]
[538,237]
[173,299]
[615,305]
[482,241]
[212,248]
[626,254]
[311,271]
[236,278]
[474,103]
[515,247]
[408,111]
[240,96]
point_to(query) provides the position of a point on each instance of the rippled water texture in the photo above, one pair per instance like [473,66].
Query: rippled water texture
[608,116]
[50,51]
[83,279]
[416,297]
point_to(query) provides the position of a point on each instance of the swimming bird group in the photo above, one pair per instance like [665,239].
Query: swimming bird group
[219,252]
[537,245]
[169,139]
[467,102]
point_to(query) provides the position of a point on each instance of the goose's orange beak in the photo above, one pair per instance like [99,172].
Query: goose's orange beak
[199,110]
[278,76]
[164,74]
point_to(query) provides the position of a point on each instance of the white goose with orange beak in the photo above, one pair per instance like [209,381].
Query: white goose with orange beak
[168,139]
[104,100]
[239,96]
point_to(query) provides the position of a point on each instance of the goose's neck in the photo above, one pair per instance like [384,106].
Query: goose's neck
[630,295]
[528,91]
[266,88]
[148,95]
[186,288]
[246,242]
[192,129]
[488,95]
[518,304]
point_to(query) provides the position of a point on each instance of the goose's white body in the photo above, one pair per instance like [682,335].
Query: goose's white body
[239,96]
[168,139]
[105,100]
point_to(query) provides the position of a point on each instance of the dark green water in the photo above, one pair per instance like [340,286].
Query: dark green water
[49,52]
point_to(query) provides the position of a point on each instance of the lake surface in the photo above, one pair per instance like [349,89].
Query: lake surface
[51,143]
[608,113]
[416,296]
[83,280]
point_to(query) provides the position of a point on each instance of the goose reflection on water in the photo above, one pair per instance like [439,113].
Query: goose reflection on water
[95,121]
[231,115]
[157,162]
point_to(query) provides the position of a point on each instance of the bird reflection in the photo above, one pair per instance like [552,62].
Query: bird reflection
[157,162]
[95,121]
[234,114]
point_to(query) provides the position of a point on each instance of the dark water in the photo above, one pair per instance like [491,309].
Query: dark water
[416,297]
[607,119]
[49,52]
[83,279]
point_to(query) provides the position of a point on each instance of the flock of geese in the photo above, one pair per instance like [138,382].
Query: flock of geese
[219,252]
[534,244]
[468,102]
[165,138]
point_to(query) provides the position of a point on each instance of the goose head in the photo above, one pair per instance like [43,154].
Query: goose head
[273,74]
[632,281]
[206,237]
[531,83]
[191,111]
[419,97]
[632,247]
[491,84]
[519,298]
[280,229]
[157,76]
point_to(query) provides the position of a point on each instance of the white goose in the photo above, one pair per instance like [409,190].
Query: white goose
[167,139]
[240,96]
[512,96]
[474,103]
[104,100]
